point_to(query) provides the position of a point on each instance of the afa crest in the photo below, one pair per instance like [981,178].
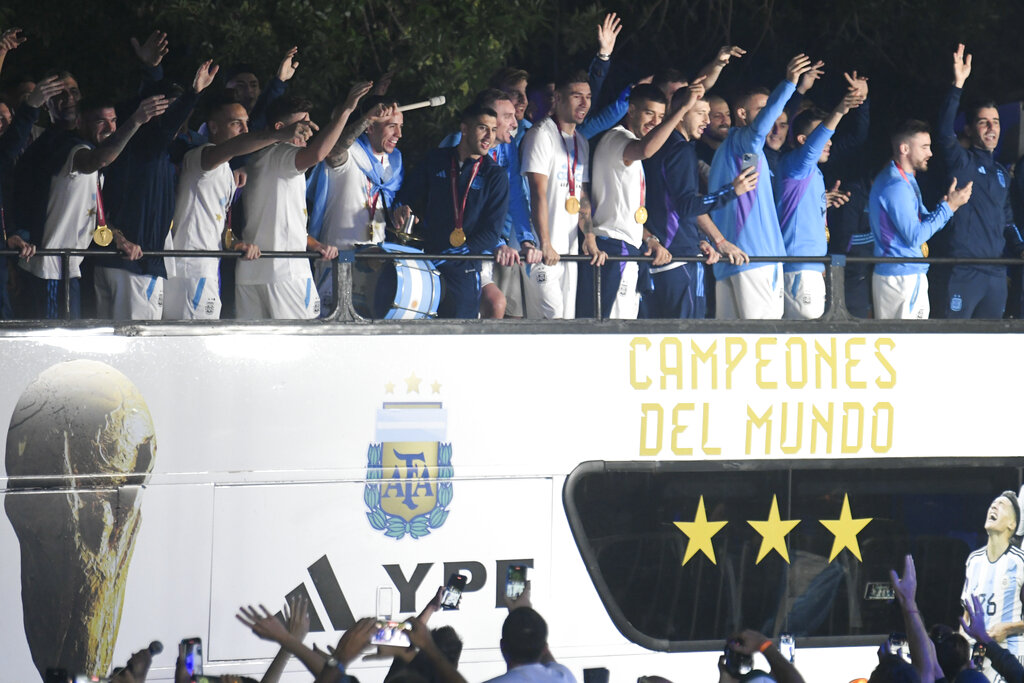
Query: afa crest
[409,470]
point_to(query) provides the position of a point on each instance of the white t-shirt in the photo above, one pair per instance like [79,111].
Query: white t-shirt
[617,189]
[70,219]
[275,216]
[347,213]
[548,151]
[200,214]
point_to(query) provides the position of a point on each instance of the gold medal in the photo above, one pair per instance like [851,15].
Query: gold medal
[641,215]
[102,235]
[229,239]
[572,205]
[924,250]
[457,238]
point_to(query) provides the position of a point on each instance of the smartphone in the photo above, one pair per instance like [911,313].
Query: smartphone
[515,581]
[897,645]
[747,161]
[978,655]
[787,646]
[392,633]
[737,663]
[453,591]
[193,655]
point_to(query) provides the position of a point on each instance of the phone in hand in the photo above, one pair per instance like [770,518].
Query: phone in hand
[193,655]
[787,646]
[453,591]
[748,160]
[394,633]
[898,645]
[515,581]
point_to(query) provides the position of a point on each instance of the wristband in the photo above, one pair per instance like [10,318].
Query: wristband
[334,663]
[604,57]
[764,646]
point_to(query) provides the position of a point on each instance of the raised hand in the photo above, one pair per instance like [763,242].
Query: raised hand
[45,89]
[835,197]
[808,79]
[150,108]
[296,612]
[354,640]
[905,586]
[265,625]
[382,84]
[356,93]
[857,83]
[974,625]
[607,33]
[152,52]
[300,130]
[288,65]
[958,197]
[727,52]
[745,181]
[961,66]
[205,74]
[850,101]
[10,40]
[797,67]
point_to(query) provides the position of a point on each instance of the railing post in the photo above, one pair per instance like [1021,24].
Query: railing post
[835,289]
[598,314]
[65,284]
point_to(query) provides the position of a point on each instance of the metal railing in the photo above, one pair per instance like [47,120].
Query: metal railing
[343,309]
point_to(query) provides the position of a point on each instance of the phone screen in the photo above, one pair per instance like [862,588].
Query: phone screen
[391,633]
[787,646]
[515,581]
[453,591]
[193,656]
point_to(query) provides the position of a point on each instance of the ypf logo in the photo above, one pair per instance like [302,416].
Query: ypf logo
[409,468]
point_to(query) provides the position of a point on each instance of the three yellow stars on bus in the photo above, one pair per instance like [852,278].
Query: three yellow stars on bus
[773,532]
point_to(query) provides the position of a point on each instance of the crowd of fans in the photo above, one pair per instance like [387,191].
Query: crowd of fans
[432,655]
[668,170]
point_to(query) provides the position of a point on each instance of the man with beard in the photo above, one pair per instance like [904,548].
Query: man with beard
[461,195]
[620,193]
[985,227]
[556,163]
[678,215]
[720,121]
[900,224]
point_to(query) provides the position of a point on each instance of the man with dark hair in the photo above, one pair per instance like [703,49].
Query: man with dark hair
[678,218]
[461,195]
[243,83]
[620,193]
[900,224]
[802,202]
[995,575]
[556,163]
[524,646]
[752,291]
[720,121]
[275,210]
[985,229]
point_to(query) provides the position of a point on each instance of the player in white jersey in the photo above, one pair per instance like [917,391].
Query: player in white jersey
[995,574]
[206,188]
[556,163]
[275,210]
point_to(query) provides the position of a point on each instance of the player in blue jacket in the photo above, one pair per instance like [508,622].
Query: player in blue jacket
[753,290]
[802,202]
[900,224]
[985,227]
[461,196]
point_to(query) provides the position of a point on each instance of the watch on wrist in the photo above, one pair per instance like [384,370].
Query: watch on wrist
[335,664]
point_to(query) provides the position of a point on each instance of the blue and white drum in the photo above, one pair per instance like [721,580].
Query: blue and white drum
[398,289]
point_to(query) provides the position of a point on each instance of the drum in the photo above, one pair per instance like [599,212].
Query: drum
[394,290]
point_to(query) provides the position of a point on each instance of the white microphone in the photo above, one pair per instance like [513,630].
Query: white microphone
[432,102]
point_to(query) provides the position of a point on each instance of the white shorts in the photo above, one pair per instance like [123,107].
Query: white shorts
[486,273]
[627,300]
[192,298]
[288,300]
[805,295]
[900,297]
[754,294]
[551,291]
[123,295]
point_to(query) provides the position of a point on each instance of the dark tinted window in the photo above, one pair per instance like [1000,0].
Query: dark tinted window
[623,517]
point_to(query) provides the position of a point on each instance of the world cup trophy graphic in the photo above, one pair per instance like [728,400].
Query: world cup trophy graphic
[409,469]
[80,446]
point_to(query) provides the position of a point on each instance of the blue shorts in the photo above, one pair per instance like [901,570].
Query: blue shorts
[678,293]
[461,297]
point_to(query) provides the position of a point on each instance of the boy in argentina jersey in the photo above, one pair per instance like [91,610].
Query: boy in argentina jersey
[900,224]
[752,291]
[995,574]
[206,187]
[802,203]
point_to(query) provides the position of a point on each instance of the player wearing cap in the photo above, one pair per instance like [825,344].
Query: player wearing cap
[995,574]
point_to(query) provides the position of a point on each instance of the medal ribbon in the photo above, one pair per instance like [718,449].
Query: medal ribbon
[101,215]
[461,211]
[570,168]
[371,201]
[917,190]
[643,188]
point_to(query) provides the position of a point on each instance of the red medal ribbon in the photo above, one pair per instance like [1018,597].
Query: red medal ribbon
[371,201]
[570,168]
[916,191]
[461,211]
[101,216]
[643,188]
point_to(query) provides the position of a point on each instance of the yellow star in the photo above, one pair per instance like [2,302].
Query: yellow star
[773,533]
[389,388]
[91,212]
[218,218]
[845,530]
[699,533]
[412,383]
[436,386]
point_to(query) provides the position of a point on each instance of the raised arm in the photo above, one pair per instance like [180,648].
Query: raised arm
[713,69]
[92,160]
[782,670]
[900,205]
[323,142]
[1003,661]
[922,650]
[296,614]
[339,155]
[752,137]
[9,40]
[648,145]
[268,627]
[248,143]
